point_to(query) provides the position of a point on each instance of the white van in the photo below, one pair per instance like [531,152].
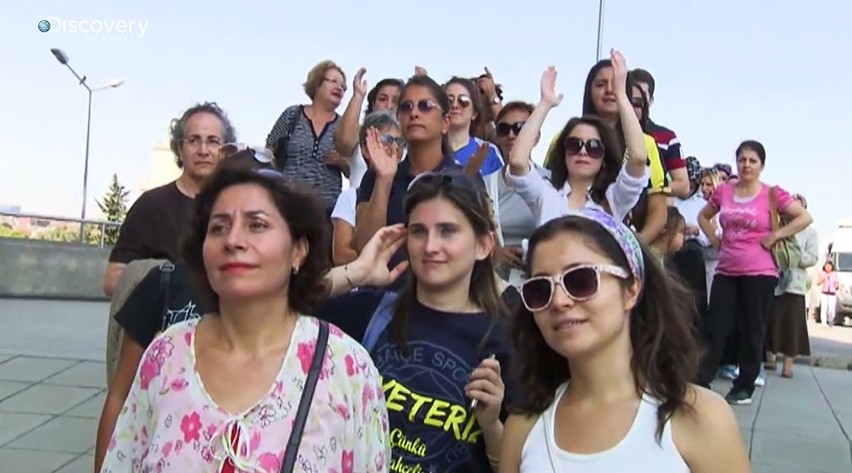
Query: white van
[841,256]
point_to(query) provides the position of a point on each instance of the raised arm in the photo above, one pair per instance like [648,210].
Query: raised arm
[633,135]
[519,158]
[346,132]
[372,215]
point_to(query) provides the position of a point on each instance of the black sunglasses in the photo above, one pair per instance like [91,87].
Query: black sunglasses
[424,106]
[503,128]
[453,179]
[462,99]
[580,283]
[594,147]
[392,140]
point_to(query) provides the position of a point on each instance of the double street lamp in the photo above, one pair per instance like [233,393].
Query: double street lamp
[63,59]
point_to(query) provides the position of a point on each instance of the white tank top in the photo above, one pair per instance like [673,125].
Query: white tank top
[637,452]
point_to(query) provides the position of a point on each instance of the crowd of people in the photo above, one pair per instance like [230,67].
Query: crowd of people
[459,307]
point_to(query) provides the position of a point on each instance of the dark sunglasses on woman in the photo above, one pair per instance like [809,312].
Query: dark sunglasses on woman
[594,147]
[580,283]
[424,106]
[463,100]
[503,128]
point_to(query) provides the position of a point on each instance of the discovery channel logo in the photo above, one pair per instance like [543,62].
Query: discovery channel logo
[101,30]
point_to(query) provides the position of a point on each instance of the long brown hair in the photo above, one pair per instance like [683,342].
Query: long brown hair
[665,350]
[462,192]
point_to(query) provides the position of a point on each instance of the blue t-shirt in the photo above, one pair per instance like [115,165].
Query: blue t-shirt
[493,160]
[430,423]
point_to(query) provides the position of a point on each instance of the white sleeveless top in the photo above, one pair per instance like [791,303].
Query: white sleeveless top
[637,452]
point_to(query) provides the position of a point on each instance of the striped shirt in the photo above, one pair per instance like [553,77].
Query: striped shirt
[306,153]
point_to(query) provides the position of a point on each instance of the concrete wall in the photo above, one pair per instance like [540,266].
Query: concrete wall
[51,270]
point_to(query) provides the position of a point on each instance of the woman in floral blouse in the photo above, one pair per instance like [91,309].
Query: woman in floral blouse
[220,393]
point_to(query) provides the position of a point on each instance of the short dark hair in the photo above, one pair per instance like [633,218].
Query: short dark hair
[641,75]
[374,92]
[299,206]
[755,146]
[513,106]
[177,127]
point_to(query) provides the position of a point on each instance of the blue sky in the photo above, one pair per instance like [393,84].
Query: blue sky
[726,71]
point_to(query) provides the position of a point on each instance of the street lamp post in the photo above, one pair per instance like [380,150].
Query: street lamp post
[600,29]
[63,59]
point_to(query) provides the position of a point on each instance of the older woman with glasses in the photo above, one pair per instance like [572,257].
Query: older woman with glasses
[385,127]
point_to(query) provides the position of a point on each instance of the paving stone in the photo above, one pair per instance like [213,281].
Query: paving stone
[15,425]
[83,464]
[5,357]
[797,453]
[14,460]
[61,434]
[87,374]
[32,369]
[89,409]
[47,399]
[8,388]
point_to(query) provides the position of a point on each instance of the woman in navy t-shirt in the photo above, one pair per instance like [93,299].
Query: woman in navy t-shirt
[444,346]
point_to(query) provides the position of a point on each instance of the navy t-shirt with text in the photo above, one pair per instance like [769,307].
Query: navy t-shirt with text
[431,426]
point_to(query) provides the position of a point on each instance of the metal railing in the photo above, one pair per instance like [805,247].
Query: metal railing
[99,226]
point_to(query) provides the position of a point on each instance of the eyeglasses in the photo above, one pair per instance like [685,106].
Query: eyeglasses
[261,155]
[389,140]
[594,147]
[335,82]
[424,106]
[462,99]
[503,128]
[197,142]
[580,283]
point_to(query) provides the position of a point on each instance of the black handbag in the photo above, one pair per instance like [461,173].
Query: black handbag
[292,450]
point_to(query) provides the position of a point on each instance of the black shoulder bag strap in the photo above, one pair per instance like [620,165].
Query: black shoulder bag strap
[292,450]
[166,270]
[280,151]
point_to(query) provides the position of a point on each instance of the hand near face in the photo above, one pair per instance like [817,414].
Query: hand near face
[383,163]
[371,267]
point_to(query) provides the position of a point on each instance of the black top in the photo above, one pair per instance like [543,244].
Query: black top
[153,226]
[143,315]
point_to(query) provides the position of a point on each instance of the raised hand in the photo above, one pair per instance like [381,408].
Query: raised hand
[371,266]
[619,72]
[383,163]
[486,85]
[420,71]
[359,85]
[548,87]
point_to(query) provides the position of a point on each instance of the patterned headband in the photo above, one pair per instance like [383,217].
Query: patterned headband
[625,237]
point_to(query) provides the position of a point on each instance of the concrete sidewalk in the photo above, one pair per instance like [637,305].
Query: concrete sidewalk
[52,391]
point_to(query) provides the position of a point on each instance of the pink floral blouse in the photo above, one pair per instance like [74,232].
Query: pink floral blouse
[170,424]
